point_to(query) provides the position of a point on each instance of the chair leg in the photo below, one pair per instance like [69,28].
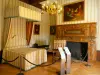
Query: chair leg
[53,56]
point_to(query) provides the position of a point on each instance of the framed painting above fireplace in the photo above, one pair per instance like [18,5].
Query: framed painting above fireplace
[74,12]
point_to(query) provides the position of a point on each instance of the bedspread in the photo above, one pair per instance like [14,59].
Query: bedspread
[34,55]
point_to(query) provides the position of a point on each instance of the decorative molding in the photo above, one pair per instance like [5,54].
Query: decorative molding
[80,30]
[74,11]
[98,55]
[20,11]
[83,32]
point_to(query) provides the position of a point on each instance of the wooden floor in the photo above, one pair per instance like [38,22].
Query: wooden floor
[77,68]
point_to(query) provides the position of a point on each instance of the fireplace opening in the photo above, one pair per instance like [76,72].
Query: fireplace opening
[78,50]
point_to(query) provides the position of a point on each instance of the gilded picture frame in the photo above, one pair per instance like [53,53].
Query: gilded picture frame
[52,30]
[73,12]
[36,29]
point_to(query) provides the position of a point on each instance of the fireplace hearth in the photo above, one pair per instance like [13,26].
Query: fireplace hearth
[78,50]
[80,39]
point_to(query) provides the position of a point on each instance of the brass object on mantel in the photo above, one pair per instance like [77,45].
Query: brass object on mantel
[83,32]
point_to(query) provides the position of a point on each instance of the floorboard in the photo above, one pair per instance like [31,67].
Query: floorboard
[77,68]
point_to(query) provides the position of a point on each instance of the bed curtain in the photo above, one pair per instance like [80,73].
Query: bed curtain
[29,26]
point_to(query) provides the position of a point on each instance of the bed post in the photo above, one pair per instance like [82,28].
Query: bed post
[1,56]
[20,66]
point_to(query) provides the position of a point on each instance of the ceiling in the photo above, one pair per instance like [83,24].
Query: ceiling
[35,3]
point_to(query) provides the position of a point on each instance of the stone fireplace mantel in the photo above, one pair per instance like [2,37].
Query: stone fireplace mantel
[83,32]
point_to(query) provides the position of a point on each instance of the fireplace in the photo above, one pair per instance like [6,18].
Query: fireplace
[82,36]
[78,50]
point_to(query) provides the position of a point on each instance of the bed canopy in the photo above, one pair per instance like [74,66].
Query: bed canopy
[20,10]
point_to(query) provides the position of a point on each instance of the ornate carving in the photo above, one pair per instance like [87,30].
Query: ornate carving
[84,32]
[84,29]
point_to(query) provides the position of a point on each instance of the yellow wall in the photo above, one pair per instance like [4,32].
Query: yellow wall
[4,4]
[2,8]
[0,22]
[18,26]
[43,37]
[18,30]
[32,12]
[92,10]
[52,23]
[17,8]
[17,35]
[98,26]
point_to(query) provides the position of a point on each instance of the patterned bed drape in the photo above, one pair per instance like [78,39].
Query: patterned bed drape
[29,26]
[7,28]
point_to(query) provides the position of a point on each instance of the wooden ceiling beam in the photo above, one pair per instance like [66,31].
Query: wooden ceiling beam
[26,1]
[35,3]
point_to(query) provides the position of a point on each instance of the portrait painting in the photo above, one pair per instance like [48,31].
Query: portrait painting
[52,30]
[36,29]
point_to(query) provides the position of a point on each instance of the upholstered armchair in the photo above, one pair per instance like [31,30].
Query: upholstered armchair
[57,43]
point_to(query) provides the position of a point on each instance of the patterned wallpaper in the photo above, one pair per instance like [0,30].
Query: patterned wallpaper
[43,37]
[17,34]
[0,23]
[98,26]
[18,26]
[90,11]
[23,10]
[2,8]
